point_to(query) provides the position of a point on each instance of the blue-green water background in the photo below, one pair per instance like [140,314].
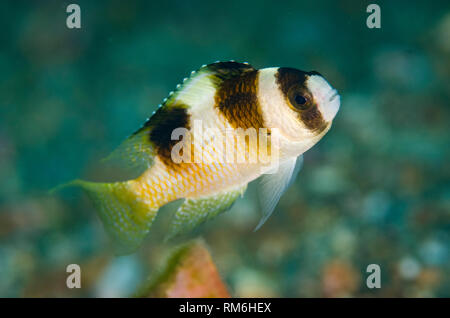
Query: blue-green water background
[374,190]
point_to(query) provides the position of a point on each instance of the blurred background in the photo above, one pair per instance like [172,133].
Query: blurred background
[375,190]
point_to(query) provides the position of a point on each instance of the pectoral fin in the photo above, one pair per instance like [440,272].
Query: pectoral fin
[273,185]
[194,212]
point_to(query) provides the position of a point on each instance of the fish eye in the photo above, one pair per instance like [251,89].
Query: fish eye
[299,99]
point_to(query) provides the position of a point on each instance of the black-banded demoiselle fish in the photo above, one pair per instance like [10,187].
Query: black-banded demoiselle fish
[223,97]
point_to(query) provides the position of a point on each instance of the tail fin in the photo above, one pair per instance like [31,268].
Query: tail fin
[126,217]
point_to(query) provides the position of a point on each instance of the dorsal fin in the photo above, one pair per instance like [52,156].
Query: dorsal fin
[138,150]
[204,81]
[225,70]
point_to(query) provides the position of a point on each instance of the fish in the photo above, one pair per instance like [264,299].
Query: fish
[290,109]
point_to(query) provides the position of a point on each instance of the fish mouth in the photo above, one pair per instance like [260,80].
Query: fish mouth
[333,96]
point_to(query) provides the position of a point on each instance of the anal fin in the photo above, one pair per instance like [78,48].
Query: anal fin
[194,212]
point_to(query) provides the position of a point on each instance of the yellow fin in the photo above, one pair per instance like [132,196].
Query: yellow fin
[135,153]
[194,212]
[126,217]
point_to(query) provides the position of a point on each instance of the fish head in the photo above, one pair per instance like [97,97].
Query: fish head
[323,96]
[302,105]
[309,97]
